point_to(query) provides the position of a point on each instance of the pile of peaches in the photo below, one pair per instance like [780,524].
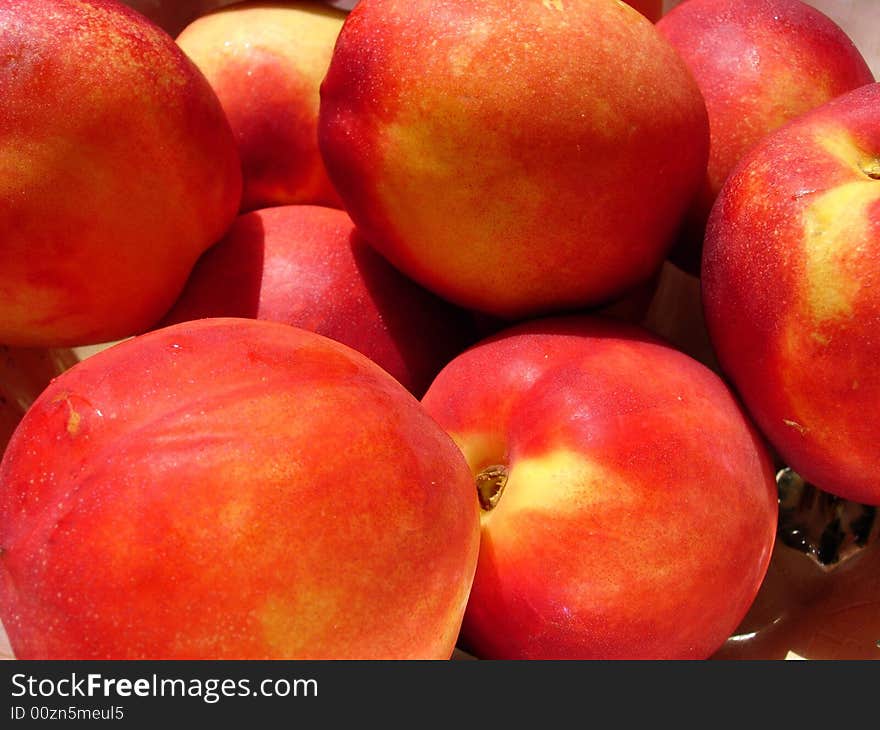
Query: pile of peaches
[405,359]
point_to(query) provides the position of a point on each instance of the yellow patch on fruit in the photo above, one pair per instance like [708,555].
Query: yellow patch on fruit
[286,622]
[73,421]
[431,150]
[439,142]
[562,481]
[73,416]
[464,56]
[833,227]
[836,259]
[480,449]
[16,166]
[840,144]
[302,38]
[793,98]
[237,516]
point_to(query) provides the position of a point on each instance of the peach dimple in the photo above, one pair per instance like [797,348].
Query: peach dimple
[622,516]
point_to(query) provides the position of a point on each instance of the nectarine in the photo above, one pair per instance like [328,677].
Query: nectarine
[233,488]
[266,62]
[629,508]
[759,64]
[307,266]
[117,170]
[791,267]
[513,158]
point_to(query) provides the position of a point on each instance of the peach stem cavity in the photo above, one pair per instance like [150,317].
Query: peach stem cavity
[490,485]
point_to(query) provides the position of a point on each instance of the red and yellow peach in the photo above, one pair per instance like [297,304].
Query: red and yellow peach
[513,159]
[759,64]
[233,488]
[790,288]
[117,170]
[629,508]
[266,62]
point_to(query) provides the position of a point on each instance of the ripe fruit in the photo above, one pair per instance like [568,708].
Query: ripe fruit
[513,159]
[638,508]
[307,266]
[117,169]
[790,272]
[759,64]
[266,62]
[233,489]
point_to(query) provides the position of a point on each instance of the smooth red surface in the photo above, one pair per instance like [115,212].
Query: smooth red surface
[810,382]
[759,64]
[513,160]
[307,266]
[660,549]
[233,489]
[117,170]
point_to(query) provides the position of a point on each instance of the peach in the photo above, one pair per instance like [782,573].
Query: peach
[232,488]
[266,62]
[790,272]
[629,508]
[759,64]
[513,159]
[117,170]
[308,266]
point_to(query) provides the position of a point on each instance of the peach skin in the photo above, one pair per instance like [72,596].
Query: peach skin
[117,170]
[790,271]
[266,62]
[629,507]
[232,488]
[759,64]
[513,159]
